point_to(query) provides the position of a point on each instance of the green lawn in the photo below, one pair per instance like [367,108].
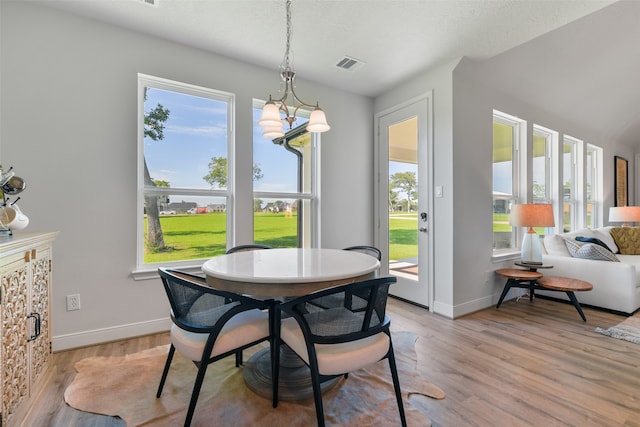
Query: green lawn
[204,236]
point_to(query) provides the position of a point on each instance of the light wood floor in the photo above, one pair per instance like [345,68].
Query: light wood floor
[526,364]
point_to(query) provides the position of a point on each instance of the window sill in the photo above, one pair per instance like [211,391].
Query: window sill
[508,255]
[152,273]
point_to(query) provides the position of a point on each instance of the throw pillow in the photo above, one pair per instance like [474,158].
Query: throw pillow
[627,239]
[592,240]
[590,251]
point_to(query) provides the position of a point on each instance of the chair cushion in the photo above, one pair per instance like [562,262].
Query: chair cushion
[242,329]
[337,359]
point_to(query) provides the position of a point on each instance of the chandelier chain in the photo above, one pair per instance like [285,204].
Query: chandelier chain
[286,62]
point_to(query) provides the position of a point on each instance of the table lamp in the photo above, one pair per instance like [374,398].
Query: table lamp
[624,214]
[532,215]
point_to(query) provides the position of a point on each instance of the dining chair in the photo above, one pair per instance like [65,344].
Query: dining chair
[250,247]
[366,249]
[335,341]
[334,300]
[209,325]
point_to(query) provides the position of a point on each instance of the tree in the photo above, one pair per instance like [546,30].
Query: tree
[154,122]
[405,182]
[393,199]
[217,175]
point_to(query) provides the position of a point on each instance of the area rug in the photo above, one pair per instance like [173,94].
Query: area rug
[126,386]
[628,330]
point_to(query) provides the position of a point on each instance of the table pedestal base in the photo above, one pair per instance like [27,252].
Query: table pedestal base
[294,378]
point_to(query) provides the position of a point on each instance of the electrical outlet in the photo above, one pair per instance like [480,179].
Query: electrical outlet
[73,302]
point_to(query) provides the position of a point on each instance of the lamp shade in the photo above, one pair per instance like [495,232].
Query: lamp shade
[624,214]
[318,121]
[532,215]
[270,115]
[273,131]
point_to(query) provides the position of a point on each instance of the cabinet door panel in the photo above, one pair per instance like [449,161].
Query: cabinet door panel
[14,350]
[40,347]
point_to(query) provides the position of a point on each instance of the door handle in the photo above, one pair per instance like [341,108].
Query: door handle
[36,334]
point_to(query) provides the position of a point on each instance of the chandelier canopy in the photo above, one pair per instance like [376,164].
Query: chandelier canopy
[271,120]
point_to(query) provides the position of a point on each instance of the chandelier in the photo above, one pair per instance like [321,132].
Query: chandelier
[270,120]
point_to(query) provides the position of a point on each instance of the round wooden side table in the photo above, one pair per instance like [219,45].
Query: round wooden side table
[567,285]
[518,278]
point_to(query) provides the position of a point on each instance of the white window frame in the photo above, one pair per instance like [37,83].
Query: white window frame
[552,192]
[149,270]
[596,173]
[313,196]
[519,176]
[577,201]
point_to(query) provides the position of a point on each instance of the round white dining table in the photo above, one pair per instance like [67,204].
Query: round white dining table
[280,274]
[287,272]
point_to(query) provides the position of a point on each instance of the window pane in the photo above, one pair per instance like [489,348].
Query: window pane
[194,135]
[275,222]
[277,165]
[193,228]
[502,158]
[540,167]
[284,208]
[503,185]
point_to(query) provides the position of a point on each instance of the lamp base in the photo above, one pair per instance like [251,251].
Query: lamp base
[530,262]
[531,248]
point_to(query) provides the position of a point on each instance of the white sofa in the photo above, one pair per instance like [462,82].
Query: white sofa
[616,285]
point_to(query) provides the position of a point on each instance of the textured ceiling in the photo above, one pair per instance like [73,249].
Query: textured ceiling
[396,38]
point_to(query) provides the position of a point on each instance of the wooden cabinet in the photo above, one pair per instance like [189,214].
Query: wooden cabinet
[25,322]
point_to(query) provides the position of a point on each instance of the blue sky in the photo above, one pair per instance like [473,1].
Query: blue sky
[195,132]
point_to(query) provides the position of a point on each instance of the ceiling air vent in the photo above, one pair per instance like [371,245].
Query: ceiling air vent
[350,64]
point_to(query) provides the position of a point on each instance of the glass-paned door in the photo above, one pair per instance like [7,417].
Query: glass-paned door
[403,194]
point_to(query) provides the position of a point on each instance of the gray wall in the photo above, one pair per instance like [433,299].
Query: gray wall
[68,126]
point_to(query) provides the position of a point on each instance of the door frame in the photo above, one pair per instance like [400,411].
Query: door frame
[425,155]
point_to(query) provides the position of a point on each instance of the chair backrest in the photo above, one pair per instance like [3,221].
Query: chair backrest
[251,247]
[340,323]
[369,250]
[197,307]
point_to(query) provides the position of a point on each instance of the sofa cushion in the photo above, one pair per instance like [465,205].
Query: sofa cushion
[590,251]
[627,239]
[554,245]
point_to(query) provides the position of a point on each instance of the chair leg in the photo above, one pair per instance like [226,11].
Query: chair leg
[202,369]
[165,371]
[317,396]
[396,385]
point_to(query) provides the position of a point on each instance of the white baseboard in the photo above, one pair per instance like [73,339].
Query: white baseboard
[98,336]
[453,312]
